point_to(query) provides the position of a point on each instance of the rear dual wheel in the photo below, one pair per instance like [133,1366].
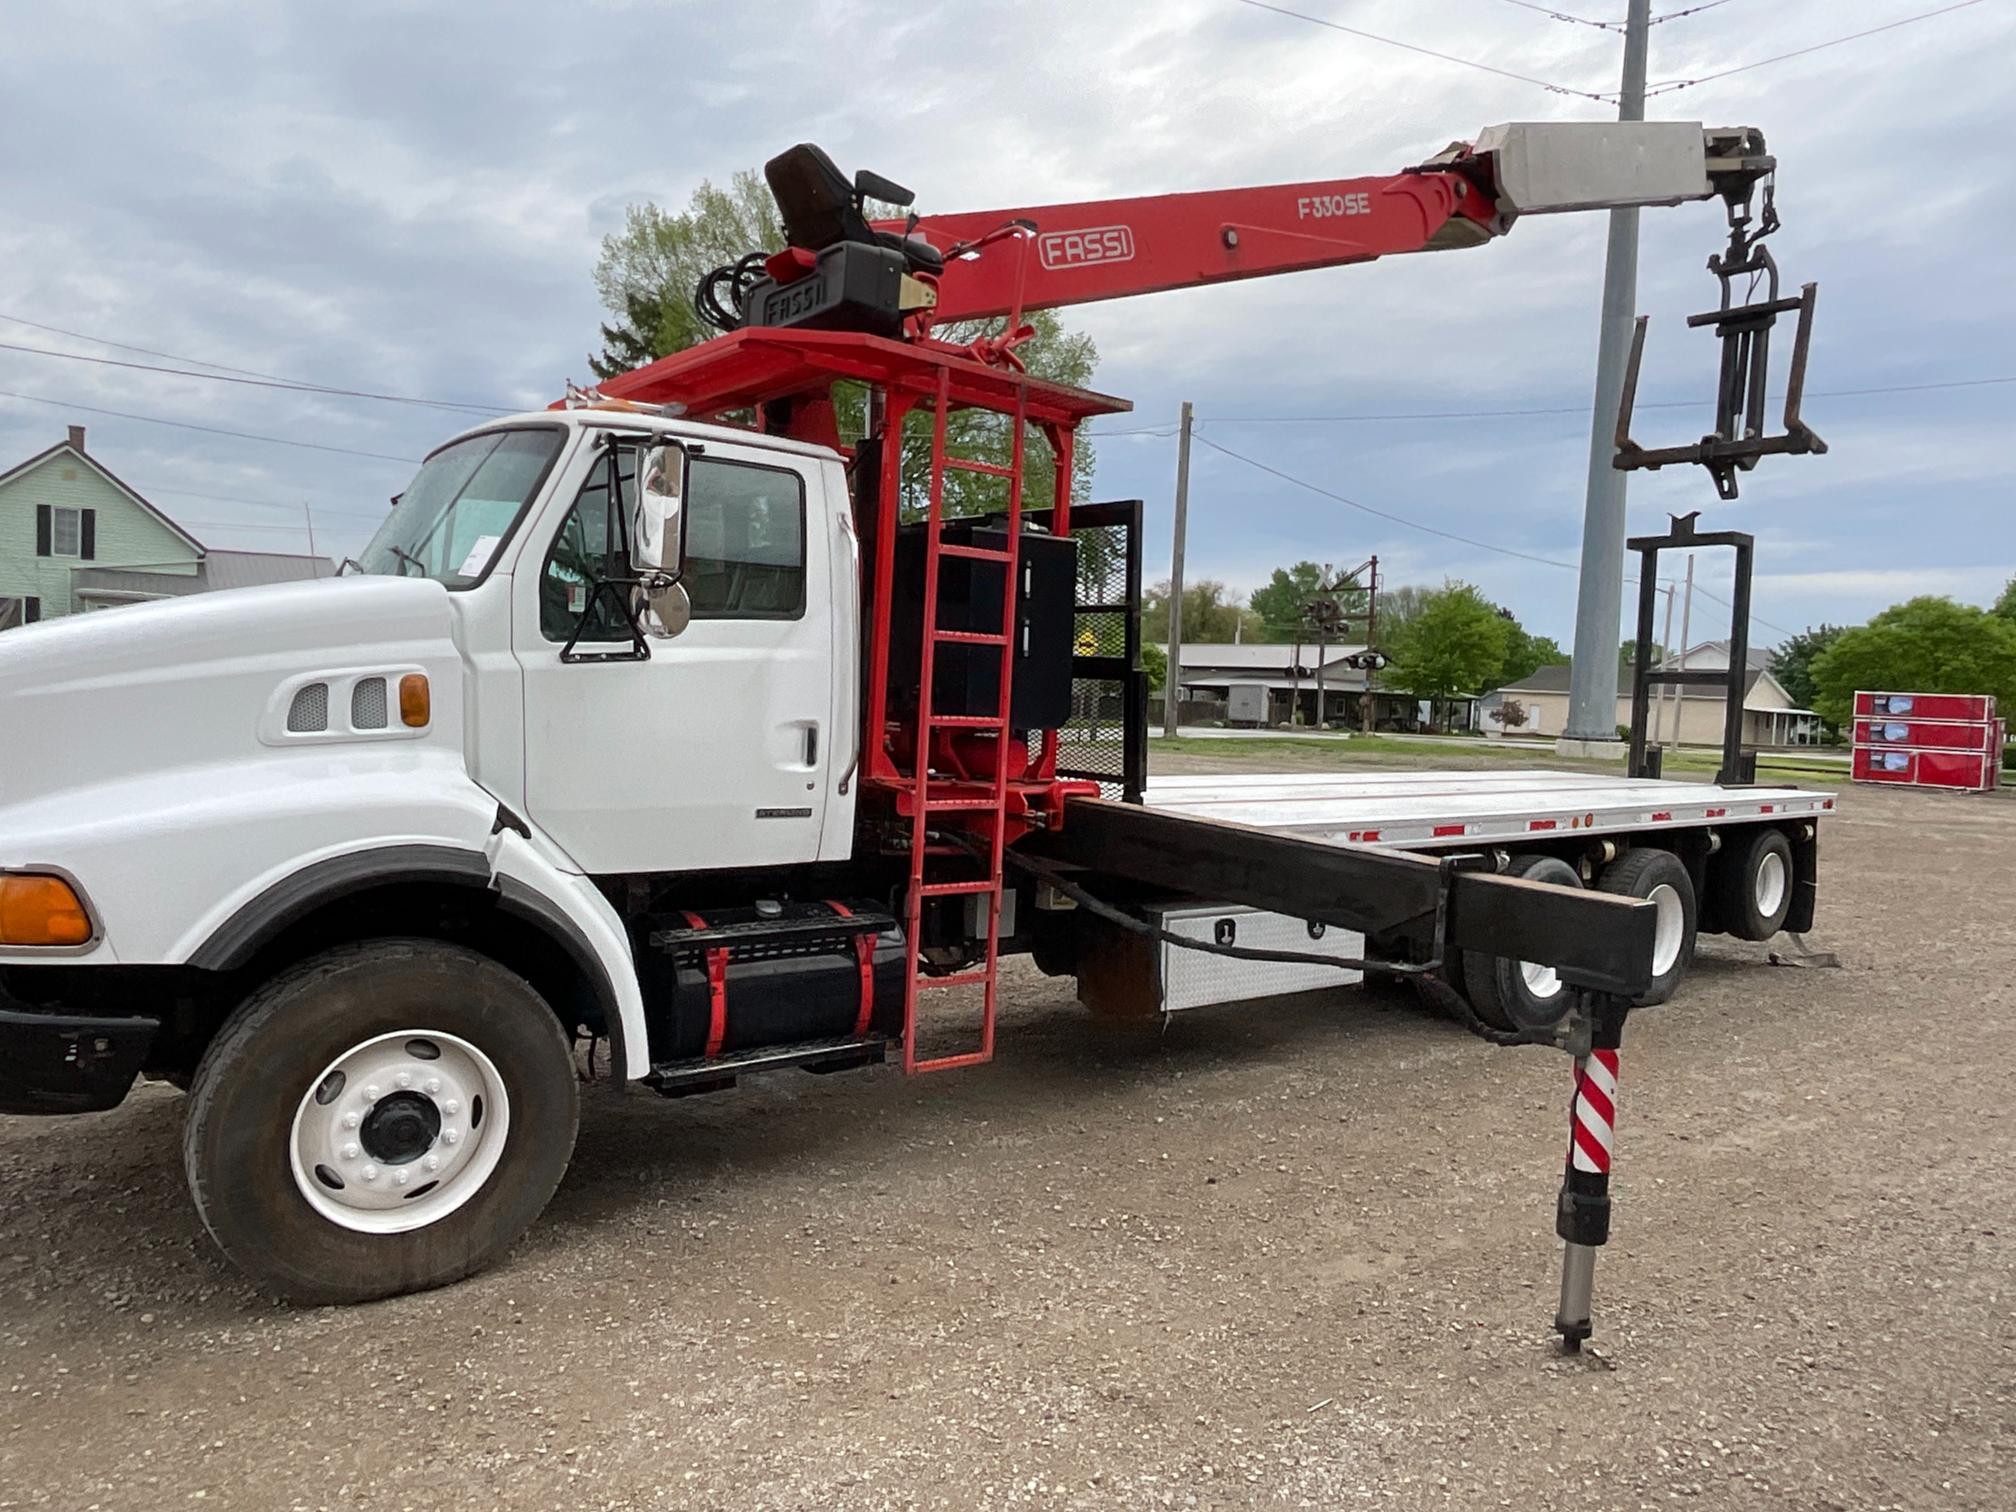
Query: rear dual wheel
[1752,883]
[1661,879]
[1510,994]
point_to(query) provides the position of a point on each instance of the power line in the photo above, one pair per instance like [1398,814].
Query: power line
[1577,409]
[186,493]
[1799,52]
[1610,26]
[1448,535]
[1429,52]
[284,385]
[1554,15]
[276,378]
[209,430]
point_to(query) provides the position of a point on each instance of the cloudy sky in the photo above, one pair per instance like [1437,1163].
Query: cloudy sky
[407,199]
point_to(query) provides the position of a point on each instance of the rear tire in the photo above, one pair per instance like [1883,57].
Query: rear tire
[1752,879]
[1511,994]
[1661,878]
[383,1118]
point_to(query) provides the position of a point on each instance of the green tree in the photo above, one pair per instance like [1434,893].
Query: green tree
[1282,604]
[1525,652]
[1455,644]
[1926,645]
[1627,657]
[1397,609]
[2005,606]
[1792,663]
[1211,613]
[645,277]
[1155,662]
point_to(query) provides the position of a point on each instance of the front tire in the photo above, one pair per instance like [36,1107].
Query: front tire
[383,1118]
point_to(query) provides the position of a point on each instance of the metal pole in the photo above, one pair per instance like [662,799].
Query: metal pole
[1322,646]
[1665,640]
[1371,640]
[1686,616]
[1599,602]
[1172,694]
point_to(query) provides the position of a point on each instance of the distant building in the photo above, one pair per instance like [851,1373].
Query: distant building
[74,538]
[1268,683]
[1770,718]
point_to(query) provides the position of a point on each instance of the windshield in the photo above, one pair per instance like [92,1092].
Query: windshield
[461,506]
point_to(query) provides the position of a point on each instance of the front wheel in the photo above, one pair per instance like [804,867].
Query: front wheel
[383,1118]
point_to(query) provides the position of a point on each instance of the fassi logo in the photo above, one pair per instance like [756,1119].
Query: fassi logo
[1077,249]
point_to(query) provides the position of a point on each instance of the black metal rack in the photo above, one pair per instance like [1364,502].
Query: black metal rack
[1739,767]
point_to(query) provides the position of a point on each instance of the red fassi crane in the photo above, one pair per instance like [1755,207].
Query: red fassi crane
[842,272]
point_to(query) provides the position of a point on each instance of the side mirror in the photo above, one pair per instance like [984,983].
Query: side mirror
[658,523]
[658,537]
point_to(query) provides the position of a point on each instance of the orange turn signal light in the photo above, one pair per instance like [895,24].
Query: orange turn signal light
[416,701]
[40,910]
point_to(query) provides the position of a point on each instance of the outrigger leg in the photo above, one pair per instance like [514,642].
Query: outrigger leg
[1582,1216]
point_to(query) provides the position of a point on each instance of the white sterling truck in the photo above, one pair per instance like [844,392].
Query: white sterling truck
[619,729]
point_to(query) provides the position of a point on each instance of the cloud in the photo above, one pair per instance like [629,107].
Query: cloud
[397,197]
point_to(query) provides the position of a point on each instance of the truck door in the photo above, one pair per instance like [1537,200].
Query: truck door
[716,750]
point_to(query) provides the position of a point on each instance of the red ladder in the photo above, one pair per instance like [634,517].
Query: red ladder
[980,808]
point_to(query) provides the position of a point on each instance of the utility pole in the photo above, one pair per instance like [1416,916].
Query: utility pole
[1666,642]
[1686,621]
[1172,694]
[1367,703]
[1592,688]
[1322,642]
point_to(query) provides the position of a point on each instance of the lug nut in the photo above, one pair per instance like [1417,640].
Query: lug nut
[400,1177]
[433,1085]
[449,1136]
[351,1120]
[451,1107]
[371,1093]
[351,1152]
[404,1078]
[432,1162]
[369,1173]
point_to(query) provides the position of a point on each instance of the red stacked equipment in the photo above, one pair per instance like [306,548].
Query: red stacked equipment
[1951,741]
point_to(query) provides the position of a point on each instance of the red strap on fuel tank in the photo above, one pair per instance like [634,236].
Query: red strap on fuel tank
[864,960]
[717,989]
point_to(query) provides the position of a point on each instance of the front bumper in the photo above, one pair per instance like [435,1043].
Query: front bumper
[69,1063]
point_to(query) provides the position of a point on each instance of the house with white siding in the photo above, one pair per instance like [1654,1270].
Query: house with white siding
[1537,705]
[74,537]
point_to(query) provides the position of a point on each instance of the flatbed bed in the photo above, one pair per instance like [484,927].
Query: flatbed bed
[1436,810]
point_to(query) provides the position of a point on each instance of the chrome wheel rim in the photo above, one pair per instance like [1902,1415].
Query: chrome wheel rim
[399,1131]
[1770,884]
[1672,928]
[1543,982]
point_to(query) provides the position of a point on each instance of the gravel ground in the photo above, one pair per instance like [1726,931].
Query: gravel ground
[1293,1257]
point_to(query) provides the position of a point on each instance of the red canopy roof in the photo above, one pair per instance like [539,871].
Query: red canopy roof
[756,364]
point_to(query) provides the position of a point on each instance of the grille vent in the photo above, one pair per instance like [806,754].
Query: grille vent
[367,704]
[309,713]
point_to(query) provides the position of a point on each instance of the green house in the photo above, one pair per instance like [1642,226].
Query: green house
[73,538]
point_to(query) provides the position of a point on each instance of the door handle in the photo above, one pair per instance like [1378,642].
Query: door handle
[811,745]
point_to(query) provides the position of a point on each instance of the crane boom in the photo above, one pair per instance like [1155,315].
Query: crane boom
[1070,254]
[901,280]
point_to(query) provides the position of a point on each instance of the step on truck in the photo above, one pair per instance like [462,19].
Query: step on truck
[686,720]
